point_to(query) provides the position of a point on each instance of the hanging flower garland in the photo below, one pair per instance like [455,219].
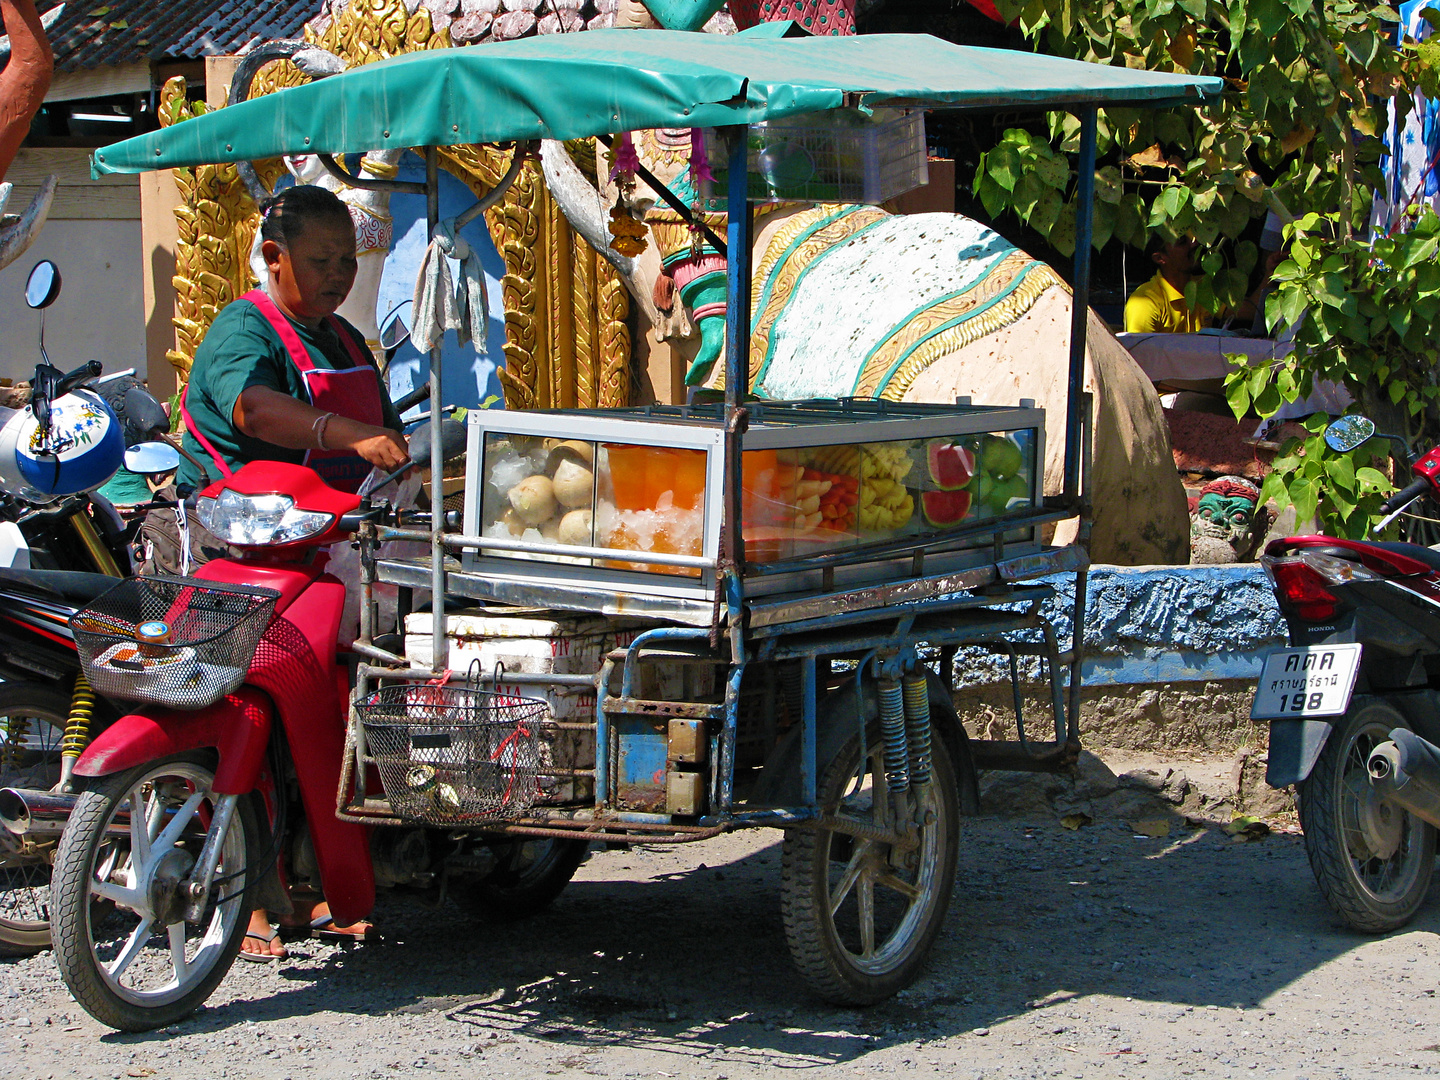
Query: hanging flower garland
[628,234]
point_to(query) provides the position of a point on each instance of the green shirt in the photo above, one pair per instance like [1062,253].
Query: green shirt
[242,350]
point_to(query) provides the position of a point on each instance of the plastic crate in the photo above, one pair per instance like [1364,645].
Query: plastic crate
[841,156]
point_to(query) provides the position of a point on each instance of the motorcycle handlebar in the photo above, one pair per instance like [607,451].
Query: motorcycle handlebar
[74,378]
[1407,494]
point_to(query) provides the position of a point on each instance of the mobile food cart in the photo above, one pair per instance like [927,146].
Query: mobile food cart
[759,602]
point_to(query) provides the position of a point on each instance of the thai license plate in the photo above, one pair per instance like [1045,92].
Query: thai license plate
[1312,681]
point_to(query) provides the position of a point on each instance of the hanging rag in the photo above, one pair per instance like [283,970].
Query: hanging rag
[439,304]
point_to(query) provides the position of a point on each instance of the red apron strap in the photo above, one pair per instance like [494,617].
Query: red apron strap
[299,355]
[191,427]
[359,357]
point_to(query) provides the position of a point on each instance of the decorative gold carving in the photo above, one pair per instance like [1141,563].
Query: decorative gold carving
[216,221]
[614,337]
[567,341]
[925,337]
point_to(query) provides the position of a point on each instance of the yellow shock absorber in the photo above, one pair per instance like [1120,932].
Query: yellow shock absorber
[77,727]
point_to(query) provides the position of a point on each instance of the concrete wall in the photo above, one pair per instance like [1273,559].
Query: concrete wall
[93,235]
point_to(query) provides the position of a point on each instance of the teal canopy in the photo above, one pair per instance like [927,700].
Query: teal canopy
[569,86]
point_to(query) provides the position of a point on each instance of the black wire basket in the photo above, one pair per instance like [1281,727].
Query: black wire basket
[180,642]
[450,755]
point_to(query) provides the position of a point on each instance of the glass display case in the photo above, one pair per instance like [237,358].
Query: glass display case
[831,493]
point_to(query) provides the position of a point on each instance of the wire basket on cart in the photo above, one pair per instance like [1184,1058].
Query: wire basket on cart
[450,754]
[180,642]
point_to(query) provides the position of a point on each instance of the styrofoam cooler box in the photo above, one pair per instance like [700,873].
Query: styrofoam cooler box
[542,642]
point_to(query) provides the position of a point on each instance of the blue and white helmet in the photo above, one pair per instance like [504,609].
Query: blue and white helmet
[83,448]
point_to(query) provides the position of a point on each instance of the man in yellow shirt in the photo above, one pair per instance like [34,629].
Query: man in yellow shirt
[1158,306]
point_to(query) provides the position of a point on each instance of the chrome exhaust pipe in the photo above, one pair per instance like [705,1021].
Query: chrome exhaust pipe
[27,812]
[1406,770]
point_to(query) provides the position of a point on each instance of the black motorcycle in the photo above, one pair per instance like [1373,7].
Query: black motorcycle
[1354,704]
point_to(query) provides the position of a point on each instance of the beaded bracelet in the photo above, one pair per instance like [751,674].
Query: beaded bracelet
[319,427]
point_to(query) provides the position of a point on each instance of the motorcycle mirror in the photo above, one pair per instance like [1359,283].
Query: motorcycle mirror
[152,457]
[143,413]
[395,328]
[43,285]
[1347,432]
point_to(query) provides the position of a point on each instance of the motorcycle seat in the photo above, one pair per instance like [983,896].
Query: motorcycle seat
[1429,556]
[69,587]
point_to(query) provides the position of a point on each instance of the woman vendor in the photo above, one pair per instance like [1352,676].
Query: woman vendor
[281,377]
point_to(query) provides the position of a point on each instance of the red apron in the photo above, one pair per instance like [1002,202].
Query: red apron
[352,392]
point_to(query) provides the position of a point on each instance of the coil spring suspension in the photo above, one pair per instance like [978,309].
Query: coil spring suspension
[892,726]
[917,727]
[77,727]
[12,750]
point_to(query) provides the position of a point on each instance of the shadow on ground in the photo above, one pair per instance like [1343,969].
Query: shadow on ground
[683,952]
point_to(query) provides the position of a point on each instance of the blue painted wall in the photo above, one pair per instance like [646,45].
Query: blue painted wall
[1159,625]
[468,371]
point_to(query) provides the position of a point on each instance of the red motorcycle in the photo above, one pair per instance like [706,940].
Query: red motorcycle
[194,813]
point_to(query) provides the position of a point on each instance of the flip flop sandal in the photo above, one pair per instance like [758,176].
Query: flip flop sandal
[324,929]
[262,958]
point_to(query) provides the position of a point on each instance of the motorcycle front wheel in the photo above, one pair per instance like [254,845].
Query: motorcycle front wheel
[121,941]
[32,724]
[1371,858]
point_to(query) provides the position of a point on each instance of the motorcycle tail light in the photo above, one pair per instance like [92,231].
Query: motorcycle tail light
[256,520]
[1301,582]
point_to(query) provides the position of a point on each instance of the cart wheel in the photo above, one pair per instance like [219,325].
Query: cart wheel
[529,876]
[861,915]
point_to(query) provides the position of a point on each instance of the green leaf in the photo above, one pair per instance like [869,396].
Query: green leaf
[1341,471]
[1396,390]
[1373,479]
[1045,212]
[1109,187]
[1052,171]
[1305,497]
[1003,166]
[1273,489]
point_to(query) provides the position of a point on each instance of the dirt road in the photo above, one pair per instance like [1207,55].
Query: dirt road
[1089,953]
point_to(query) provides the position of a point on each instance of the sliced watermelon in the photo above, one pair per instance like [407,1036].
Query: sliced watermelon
[945,508]
[951,466]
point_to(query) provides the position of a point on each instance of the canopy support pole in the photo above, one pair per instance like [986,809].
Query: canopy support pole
[1080,302]
[737,329]
[440,662]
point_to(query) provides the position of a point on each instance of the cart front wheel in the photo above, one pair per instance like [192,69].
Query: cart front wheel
[861,914]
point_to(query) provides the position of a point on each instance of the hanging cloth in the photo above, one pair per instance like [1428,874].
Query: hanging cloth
[439,305]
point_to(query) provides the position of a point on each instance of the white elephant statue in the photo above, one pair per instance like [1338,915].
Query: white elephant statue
[850,300]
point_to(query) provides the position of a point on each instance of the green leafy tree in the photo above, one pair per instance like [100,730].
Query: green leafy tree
[1308,84]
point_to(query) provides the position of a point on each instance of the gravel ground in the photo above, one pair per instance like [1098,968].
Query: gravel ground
[1085,953]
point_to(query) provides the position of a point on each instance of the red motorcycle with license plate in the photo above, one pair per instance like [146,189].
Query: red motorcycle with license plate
[196,803]
[1354,703]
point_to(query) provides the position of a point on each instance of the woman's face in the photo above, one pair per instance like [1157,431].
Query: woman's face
[313,278]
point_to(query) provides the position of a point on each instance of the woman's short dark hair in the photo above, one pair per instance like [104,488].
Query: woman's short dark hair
[285,216]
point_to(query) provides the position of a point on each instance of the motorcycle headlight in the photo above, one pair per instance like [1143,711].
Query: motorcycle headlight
[253,520]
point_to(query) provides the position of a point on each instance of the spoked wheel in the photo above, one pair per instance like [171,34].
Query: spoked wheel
[32,723]
[134,963]
[861,914]
[530,875]
[1372,859]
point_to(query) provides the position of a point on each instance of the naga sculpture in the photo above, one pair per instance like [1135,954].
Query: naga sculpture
[23,83]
